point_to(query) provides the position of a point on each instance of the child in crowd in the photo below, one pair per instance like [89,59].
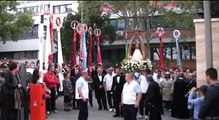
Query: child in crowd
[198,100]
[67,91]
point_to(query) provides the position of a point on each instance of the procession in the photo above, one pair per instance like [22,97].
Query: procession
[105,60]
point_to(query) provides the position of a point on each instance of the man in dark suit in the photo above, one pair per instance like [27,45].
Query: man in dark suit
[99,89]
[118,82]
[154,99]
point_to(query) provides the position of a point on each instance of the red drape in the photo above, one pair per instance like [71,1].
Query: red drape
[161,52]
[51,40]
[73,48]
[99,58]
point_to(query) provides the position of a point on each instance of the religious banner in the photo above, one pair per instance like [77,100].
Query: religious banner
[89,60]
[160,32]
[97,33]
[51,38]
[74,24]
[176,35]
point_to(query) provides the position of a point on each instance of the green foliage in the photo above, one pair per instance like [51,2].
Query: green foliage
[67,34]
[13,23]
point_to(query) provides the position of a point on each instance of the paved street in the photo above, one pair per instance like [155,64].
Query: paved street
[94,114]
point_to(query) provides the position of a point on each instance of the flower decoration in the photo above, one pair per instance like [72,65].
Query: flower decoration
[132,66]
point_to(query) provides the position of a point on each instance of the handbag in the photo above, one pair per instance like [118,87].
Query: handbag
[47,96]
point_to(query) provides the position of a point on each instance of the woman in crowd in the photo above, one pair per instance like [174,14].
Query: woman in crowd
[67,91]
[51,82]
[14,92]
[167,90]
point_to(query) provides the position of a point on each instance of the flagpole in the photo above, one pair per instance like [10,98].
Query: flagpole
[41,42]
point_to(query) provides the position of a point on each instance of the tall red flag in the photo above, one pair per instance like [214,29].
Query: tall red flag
[50,57]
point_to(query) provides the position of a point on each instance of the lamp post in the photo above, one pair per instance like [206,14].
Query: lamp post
[160,32]
[176,35]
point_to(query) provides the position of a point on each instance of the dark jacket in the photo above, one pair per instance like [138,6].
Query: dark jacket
[210,106]
[97,82]
[10,83]
[117,87]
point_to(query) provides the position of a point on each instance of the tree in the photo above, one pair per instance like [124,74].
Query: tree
[67,35]
[156,13]
[92,16]
[13,23]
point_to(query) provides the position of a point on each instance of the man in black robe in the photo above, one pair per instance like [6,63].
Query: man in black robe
[179,105]
[153,99]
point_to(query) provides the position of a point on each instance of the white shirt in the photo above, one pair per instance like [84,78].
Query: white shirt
[143,83]
[158,80]
[129,92]
[100,77]
[108,80]
[83,85]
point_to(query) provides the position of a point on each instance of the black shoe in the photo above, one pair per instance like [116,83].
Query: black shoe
[115,115]
[106,109]
[99,108]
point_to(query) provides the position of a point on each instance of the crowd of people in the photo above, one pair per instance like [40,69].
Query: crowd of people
[139,95]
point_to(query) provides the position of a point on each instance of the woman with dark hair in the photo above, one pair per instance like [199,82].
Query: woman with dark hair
[13,92]
[51,82]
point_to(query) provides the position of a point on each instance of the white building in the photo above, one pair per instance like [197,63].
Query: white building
[27,48]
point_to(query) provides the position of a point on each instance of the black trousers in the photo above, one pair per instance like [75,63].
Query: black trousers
[91,97]
[130,112]
[116,101]
[167,104]
[101,98]
[142,109]
[110,99]
[10,112]
[51,103]
[83,110]
[154,114]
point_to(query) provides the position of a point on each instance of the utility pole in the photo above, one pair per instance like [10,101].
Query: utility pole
[208,35]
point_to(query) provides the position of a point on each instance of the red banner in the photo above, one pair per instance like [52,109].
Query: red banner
[99,58]
[51,38]
[73,48]
[161,52]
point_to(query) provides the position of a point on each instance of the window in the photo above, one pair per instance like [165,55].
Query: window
[193,52]
[185,53]
[6,55]
[167,52]
[56,9]
[174,53]
[63,9]
[46,8]
[131,23]
[155,53]
[121,24]
[35,9]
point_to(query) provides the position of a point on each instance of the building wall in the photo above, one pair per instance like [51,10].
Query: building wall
[200,48]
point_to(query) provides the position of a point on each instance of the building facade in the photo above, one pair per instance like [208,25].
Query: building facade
[26,48]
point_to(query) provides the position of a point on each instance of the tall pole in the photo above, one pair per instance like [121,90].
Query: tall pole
[208,35]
